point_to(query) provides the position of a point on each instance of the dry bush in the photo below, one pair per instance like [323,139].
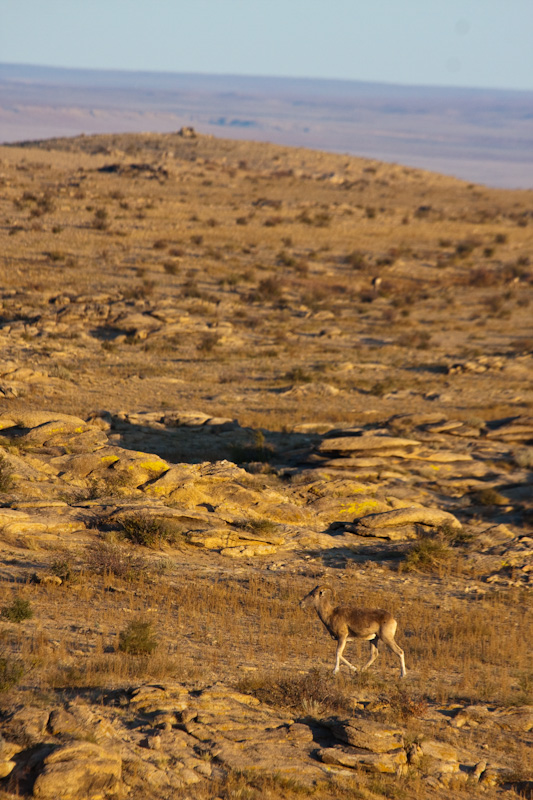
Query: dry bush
[258,450]
[417,338]
[11,673]
[147,531]
[356,259]
[483,276]
[268,290]
[6,475]
[428,554]
[208,342]
[108,558]
[298,375]
[316,693]
[101,219]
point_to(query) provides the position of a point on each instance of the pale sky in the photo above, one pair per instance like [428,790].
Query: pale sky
[478,43]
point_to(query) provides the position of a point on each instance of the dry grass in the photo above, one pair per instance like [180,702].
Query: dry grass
[472,650]
[266,282]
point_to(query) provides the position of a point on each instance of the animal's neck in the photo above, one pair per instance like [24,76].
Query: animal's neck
[324,609]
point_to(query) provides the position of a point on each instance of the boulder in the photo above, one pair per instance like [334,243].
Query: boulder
[367,443]
[7,751]
[366,734]
[393,763]
[379,524]
[79,771]
[518,719]
[27,724]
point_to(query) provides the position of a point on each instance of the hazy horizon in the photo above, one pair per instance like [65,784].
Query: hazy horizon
[265,77]
[463,43]
[479,135]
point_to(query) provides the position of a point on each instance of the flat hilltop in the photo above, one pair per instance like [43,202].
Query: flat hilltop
[232,371]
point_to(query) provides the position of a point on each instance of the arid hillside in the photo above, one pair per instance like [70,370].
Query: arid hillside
[232,371]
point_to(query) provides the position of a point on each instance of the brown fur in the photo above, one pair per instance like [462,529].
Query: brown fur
[347,622]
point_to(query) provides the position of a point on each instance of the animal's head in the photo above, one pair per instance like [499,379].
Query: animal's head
[316,595]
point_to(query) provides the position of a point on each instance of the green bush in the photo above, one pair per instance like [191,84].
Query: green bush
[18,611]
[10,673]
[6,475]
[138,638]
[427,555]
[147,531]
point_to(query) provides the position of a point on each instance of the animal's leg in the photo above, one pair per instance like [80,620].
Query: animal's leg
[399,652]
[374,653]
[341,644]
[345,661]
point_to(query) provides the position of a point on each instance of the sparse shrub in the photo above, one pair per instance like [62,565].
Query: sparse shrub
[62,568]
[259,450]
[482,277]
[455,537]
[494,303]
[428,554]
[501,238]
[356,259]
[382,388]
[419,339]
[367,296]
[298,375]
[197,239]
[322,219]
[466,247]
[208,342]
[422,212]
[370,212]
[315,295]
[147,531]
[271,222]
[160,244]
[11,672]
[406,705]
[523,457]
[241,221]
[489,497]
[18,611]
[190,289]
[6,475]
[268,290]
[286,259]
[314,693]
[302,268]
[258,525]
[109,558]
[55,255]
[100,220]
[137,638]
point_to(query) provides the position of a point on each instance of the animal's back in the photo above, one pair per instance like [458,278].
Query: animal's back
[363,622]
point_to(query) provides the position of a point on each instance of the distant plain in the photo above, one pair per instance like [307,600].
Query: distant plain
[478,135]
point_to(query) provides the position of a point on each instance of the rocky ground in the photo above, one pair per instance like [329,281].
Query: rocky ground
[232,371]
